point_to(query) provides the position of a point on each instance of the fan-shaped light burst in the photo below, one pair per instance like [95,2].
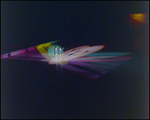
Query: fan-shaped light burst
[81,60]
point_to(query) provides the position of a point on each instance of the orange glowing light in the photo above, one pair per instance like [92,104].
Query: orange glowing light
[138,19]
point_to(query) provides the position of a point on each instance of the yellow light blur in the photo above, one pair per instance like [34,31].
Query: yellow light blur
[139,17]
[42,48]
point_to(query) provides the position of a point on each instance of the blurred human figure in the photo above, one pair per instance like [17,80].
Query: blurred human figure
[55,51]
[60,51]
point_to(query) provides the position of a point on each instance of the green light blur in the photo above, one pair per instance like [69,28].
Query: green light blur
[51,50]
[110,54]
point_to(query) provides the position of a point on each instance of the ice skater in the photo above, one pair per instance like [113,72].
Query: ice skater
[55,51]
[60,52]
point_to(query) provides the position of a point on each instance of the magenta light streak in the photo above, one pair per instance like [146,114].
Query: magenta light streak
[31,48]
[98,57]
[31,54]
[4,56]
[18,52]
[89,66]
[106,63]
[24,55]
[106,66]
[17,58]
[82,72]
[15,53]
[23,51]
[101,60]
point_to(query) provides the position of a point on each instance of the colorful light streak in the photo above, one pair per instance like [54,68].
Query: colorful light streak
[96,65]
[74,53]
[81,60]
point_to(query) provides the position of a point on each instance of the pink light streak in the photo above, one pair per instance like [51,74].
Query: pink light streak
[31,48]
[79,71]
[92,65]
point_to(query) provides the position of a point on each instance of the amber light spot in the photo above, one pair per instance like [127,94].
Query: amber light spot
[138,19]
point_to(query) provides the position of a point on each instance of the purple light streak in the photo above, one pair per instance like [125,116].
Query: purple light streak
[91,66]
[79,71]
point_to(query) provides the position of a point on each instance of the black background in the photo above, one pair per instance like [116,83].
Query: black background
[37,90]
